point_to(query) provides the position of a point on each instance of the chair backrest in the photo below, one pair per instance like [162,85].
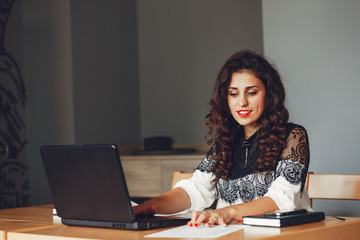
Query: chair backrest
[334,186]
[180,175]
[307,180]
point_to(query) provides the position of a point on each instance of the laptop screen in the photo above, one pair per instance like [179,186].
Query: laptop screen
[87,182]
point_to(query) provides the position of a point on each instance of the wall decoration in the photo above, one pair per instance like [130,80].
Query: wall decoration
[14,184]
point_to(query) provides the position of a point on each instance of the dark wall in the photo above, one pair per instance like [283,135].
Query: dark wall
[80,60]
[105,71]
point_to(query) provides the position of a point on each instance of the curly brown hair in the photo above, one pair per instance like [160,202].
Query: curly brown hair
[271,137]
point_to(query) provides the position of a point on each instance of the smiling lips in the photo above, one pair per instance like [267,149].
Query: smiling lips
[243,113]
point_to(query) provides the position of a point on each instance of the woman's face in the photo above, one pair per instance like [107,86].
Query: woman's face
[246,100]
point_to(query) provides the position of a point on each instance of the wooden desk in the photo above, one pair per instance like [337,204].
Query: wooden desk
[34,214]
[29,218]
[37,229]
[14,225]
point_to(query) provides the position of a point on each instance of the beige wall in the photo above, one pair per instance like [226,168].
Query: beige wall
[316,46]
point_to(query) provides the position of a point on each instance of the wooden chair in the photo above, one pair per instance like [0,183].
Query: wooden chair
[180,175]
[307,180]
[334,186]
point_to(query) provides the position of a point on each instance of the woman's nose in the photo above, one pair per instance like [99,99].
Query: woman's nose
[243,102]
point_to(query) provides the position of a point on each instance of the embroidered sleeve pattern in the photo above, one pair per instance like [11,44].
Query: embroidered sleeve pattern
[205,165]
[294,172]
[297,146]
[295,158]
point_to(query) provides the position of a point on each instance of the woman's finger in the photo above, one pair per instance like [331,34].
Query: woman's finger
[198,217]
[212,220]
[194,216]
[222,222]
[203,217]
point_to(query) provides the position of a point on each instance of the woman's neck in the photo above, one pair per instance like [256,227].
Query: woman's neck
[249,131]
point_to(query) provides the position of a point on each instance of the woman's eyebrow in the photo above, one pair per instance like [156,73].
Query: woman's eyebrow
[249,87]
[252,87]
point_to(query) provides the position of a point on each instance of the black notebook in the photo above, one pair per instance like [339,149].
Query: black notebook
[283,221]
[88,187]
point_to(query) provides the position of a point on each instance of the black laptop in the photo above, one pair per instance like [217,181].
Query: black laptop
[88,187]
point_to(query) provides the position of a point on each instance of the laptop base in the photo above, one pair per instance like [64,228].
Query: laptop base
[137,225]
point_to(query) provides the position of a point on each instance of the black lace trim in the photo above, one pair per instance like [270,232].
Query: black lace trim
[255,186]
[294,172]
[205,165]
[301,151]
[246,189]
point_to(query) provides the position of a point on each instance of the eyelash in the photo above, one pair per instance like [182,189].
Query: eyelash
[235,94]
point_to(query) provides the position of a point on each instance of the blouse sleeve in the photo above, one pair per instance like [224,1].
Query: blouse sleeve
[288,186]
[200,187]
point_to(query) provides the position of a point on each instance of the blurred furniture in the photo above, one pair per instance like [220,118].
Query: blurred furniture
[180,175]
[334,186]
[307,180]
[150,176]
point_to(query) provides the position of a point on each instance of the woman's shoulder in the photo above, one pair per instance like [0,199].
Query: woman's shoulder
[296,131]
[291,125]
[294,126]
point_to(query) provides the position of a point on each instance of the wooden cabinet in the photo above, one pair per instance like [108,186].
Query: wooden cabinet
[150,176]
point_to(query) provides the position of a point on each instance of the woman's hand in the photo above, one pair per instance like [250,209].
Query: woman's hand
[176,200]
[146,208]
[222,216]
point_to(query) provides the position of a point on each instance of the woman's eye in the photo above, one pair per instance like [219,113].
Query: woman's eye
[233,94]
[252,93]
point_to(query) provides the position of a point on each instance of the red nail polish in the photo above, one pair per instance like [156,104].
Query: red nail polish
[190,225]
[196,225]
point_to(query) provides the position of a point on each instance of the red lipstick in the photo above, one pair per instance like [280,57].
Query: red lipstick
[243,113]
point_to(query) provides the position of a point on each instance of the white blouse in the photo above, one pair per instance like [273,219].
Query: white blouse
[284,184]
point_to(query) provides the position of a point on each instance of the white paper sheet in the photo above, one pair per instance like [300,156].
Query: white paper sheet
[184,214]
[197,232]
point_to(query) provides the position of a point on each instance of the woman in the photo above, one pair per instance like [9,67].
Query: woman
[258,161]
